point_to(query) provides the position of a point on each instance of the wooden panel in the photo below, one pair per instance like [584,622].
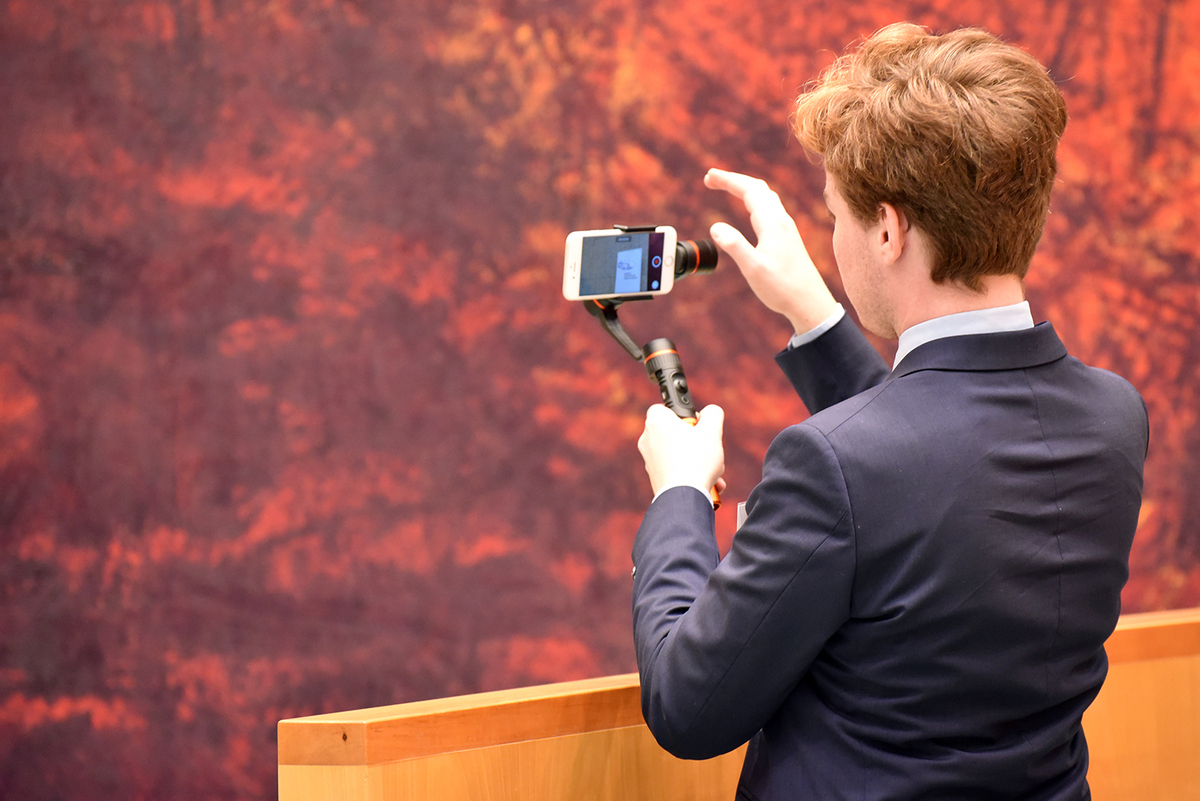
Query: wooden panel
[583,739]
[1155,635]
[1144,728]
[405,731]
[612,765]
[328,783]
[1144,732]
[586,739]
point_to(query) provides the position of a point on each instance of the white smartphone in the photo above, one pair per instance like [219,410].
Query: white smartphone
[613,263]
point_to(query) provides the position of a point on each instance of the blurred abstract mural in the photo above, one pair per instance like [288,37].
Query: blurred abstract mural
[293,417]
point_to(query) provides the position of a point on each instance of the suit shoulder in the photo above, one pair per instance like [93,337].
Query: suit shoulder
[1114,387]
[828,420]
[1118,382]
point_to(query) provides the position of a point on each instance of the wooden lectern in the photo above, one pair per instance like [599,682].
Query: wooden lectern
[586,739]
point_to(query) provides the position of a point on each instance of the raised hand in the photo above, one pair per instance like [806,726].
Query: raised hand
[778,268]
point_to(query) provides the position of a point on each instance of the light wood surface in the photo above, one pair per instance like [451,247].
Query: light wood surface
[1155,635]
[574,740]
[425,728]
[586,739]
[1143,729]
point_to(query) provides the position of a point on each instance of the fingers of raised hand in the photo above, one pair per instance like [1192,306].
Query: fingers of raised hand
[739,185]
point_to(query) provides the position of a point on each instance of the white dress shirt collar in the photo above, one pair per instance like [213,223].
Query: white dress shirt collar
[1016,317]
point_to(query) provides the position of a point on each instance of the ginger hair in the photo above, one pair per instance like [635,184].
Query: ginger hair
[958,131]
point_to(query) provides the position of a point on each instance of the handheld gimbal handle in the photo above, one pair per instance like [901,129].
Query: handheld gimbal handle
[664,367]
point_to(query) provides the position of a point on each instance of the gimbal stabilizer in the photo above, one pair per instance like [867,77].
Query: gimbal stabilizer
[662,361]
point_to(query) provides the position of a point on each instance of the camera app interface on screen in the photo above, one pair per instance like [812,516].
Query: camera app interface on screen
[622,264]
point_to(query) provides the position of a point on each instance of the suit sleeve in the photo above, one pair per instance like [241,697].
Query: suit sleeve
[721,646]
[835,366]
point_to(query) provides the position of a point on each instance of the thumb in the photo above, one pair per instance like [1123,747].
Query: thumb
[660,414]
[711,418]
[730,240]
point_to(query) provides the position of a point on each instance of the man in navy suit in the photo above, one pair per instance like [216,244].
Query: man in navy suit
[916,604]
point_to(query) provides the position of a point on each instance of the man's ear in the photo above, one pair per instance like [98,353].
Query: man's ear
[893,232]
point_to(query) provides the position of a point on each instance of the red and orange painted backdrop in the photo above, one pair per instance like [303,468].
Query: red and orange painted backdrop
[293,417]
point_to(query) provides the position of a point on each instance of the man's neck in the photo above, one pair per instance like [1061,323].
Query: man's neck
[928,300]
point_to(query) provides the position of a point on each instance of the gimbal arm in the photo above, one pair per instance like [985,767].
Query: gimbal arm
[662,362]
[605,310]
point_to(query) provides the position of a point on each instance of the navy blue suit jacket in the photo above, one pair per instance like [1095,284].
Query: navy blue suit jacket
[916,605]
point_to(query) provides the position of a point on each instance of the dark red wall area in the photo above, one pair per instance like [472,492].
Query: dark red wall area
[293,416]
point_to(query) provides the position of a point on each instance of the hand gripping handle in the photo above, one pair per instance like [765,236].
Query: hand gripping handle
[664,367]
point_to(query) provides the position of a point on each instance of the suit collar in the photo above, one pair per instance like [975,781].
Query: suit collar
[1005,350]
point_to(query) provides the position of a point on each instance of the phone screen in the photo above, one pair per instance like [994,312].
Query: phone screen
[624,264]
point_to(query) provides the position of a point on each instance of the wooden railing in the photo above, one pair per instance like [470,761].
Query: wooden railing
[1143,729]
[586,739]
